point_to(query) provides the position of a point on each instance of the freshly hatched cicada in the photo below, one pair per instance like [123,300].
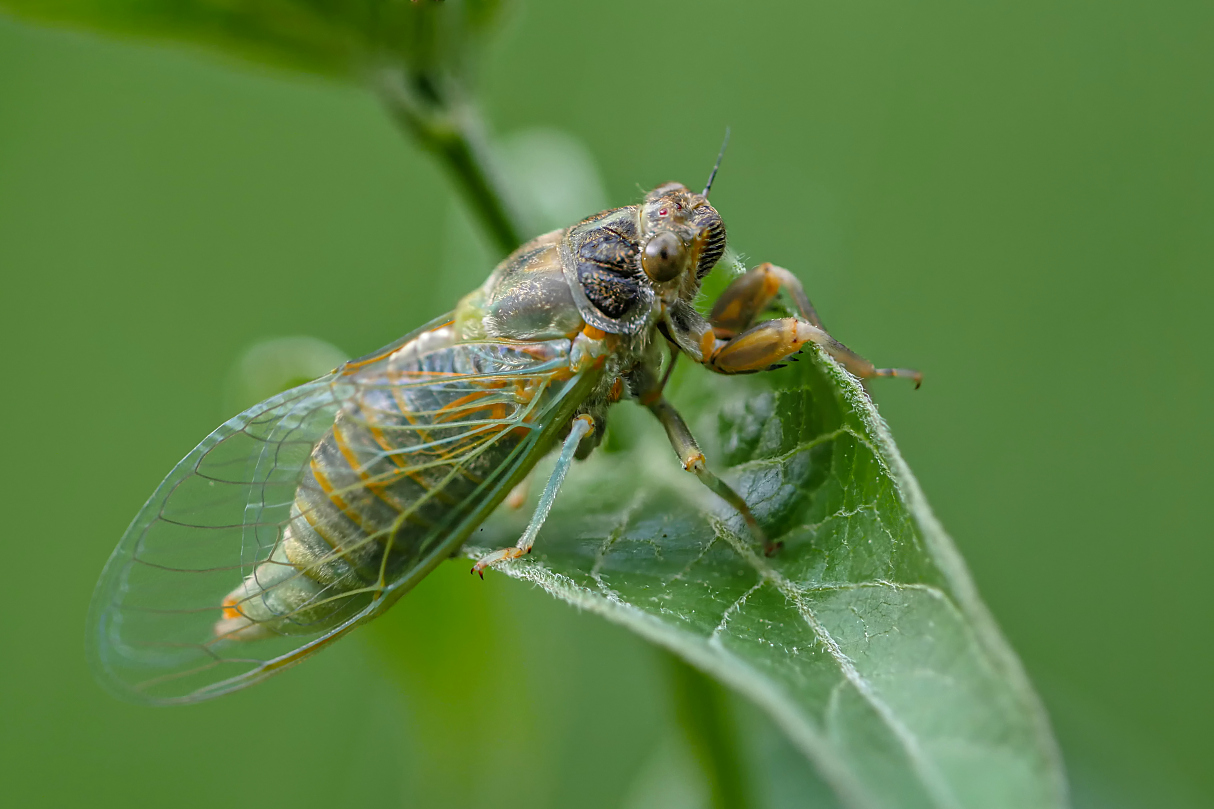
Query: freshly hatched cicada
[312,512]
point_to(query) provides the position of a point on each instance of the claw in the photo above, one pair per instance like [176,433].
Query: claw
[491,559]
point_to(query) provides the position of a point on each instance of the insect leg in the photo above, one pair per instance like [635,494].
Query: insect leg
[582,426]
[742,347]
[685,446]
[762,346]
[749,294]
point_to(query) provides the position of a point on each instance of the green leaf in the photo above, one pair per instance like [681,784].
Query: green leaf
[862,637]
[344,38]
[418,55]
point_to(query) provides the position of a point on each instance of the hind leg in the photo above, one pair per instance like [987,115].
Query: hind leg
[582,427]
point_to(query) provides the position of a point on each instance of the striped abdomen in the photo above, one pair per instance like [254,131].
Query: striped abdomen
[427,436]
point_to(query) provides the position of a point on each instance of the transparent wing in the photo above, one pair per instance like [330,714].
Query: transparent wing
[222,512]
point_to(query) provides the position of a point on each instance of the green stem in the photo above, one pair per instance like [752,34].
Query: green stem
[703,713]
[434,111]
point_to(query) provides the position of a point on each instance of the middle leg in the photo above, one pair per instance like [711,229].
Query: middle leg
[685,446]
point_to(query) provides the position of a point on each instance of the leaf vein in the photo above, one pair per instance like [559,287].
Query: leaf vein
[932,778]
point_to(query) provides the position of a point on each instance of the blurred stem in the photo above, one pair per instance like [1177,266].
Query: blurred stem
[434,110]
[703,713]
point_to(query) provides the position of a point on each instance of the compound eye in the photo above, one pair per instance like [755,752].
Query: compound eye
[664,257]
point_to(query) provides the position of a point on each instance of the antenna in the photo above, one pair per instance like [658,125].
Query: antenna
[720,154]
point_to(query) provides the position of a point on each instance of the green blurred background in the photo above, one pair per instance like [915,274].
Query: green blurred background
[1017,198]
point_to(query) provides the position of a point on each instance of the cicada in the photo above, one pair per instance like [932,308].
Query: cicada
[311,513]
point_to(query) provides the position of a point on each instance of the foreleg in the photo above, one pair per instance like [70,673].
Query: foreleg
[749,295]
[737,346]
[762,346]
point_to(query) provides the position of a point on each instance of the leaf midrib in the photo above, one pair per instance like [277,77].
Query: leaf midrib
[929,774]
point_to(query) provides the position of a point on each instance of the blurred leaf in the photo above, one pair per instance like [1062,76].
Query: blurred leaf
[272,366]
[417,54]
[863,637]
[344,38]
[554,177]
[554,181]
